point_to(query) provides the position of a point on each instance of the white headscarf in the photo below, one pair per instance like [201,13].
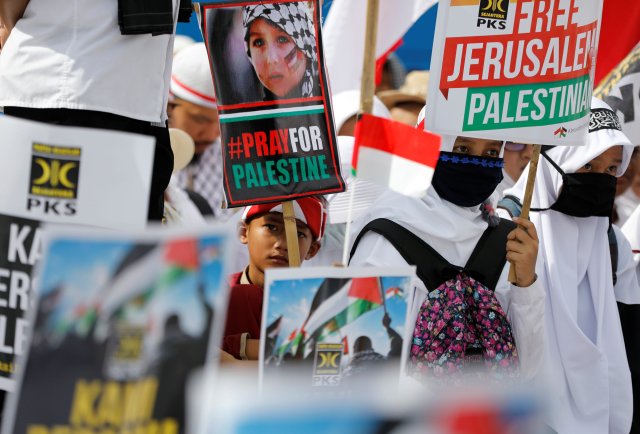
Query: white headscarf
[296,20]
[589,377]
[506,184]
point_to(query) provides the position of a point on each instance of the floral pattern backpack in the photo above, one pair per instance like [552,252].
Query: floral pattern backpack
[461,329]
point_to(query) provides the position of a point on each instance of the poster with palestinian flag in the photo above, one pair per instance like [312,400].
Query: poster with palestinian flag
[267,62]
[336,322]
[55,174]
[514,70]
[120,323]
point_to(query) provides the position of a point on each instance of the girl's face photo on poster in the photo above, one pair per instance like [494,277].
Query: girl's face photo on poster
[267,52]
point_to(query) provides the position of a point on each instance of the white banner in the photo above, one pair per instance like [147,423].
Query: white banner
[74,175]
[520,71]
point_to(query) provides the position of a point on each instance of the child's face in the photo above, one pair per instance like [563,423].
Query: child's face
[267,243]
[608,162]
[278,62]
[516,157]
[477,147]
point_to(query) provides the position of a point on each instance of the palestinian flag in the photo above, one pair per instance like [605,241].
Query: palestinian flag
[397,156]
[273,331]
[291,344]
[145,271]
[352,300]
[394,292]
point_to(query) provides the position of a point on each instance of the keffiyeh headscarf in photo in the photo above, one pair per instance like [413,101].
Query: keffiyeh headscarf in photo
[296,20]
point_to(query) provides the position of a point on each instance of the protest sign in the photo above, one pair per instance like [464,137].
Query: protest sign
[278,138]
[20,249]
[120,323]
[74,175]
[339,322]
[621,90]
[59,174]
[519,71]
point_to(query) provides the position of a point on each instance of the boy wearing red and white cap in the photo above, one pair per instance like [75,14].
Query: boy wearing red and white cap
[262,230]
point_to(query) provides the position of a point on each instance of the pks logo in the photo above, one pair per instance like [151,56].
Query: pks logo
[327,367]
[493,14]
[53,186]
[125,355]
[560,132]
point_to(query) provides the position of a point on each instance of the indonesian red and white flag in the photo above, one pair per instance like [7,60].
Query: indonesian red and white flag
[343,35]
[619,33]
[395,155]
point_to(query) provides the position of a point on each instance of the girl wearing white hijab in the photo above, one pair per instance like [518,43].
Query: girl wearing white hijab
[585,362]
[451,220]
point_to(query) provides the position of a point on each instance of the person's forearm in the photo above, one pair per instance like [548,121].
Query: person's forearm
[11,11]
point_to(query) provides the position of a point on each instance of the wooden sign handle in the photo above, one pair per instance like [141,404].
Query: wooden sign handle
[291,230]
[367,89]
[528,195]
[368,83]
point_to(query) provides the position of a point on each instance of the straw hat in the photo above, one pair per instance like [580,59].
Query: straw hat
[414,90]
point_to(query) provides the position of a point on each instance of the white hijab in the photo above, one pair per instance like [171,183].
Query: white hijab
[506,184]
[575,250]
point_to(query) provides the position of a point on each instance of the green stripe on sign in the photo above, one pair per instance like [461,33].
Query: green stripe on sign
[271,116]
[354,311]
[527,105]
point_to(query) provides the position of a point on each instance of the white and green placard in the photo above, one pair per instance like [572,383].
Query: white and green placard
[514,70]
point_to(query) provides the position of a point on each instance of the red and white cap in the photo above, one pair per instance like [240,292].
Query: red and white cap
[191,78]
[309,210]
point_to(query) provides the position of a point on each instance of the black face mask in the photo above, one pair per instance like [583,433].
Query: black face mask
[584,194]
[466,180]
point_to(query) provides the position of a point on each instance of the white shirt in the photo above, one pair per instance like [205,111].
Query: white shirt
[70,54]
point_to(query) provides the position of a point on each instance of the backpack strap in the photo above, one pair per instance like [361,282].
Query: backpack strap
[613,251]
[432,268]
[511,204]
[490,254]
